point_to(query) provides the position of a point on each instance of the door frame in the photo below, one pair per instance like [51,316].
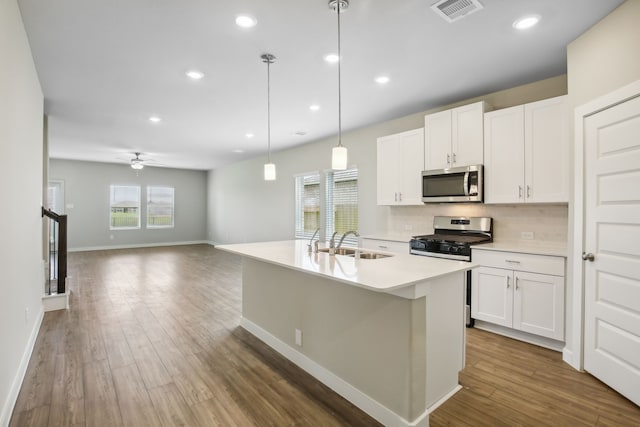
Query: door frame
[575,356]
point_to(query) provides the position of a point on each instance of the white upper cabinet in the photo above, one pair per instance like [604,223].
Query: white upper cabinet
[526,153]
[400,165]
[504,155]
[454,137]
[546,145]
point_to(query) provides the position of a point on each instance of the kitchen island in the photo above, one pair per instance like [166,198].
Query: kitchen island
[387,334]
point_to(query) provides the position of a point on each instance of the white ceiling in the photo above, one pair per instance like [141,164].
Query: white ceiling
[106,66]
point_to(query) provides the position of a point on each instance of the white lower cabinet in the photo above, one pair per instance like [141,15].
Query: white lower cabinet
[520,291]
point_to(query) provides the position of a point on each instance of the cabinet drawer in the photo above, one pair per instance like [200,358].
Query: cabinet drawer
[544,264]
[385,245]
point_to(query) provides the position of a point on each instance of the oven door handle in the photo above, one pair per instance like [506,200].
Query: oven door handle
[466,183]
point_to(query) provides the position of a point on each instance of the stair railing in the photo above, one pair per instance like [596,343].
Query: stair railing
[57,248]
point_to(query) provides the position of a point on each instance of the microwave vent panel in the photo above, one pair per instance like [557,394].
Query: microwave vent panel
[452,10]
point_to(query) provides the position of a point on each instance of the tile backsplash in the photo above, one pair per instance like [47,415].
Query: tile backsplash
[548,223]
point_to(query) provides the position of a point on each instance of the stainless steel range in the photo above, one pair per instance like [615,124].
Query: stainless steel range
[452,239]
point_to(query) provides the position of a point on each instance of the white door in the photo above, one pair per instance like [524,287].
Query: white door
[546,145]
[467,123]
[492,295]
[411,166]
[504,155]
[437,140]
[538,304]
[387,175]
[612,241]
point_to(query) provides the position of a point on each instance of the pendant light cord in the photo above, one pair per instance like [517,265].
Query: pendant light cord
[268,110]
[339,81]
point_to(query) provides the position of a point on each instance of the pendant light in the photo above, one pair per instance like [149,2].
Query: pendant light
[339,152]
[269,168]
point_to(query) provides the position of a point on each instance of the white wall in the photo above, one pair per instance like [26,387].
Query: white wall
[243,207]
[21,264]
[87,187]
[604,58]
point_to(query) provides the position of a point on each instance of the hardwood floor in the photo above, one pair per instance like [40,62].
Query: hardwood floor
[152,339]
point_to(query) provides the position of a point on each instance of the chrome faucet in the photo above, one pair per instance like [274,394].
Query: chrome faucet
[332,244]
[355,233]
[315,246]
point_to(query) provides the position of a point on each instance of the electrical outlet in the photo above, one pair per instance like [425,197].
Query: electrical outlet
[298,337]
[526,235]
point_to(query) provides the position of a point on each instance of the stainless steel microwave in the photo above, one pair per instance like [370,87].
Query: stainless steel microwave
[453,185]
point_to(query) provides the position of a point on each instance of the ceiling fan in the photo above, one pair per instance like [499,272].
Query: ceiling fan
[137,162]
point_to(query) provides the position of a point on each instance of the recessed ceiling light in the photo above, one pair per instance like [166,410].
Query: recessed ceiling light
[195,74]
[245,21]
[332,58]
[249,135]
[155,119]
[382,80]
[238,151]
[314,107]
[526,22]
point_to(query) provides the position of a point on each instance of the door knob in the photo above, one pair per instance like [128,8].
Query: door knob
[588,256]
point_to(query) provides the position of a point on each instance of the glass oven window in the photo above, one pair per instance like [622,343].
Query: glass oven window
[443,185]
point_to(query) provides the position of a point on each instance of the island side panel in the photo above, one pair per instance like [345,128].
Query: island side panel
[445,335]
[366,338]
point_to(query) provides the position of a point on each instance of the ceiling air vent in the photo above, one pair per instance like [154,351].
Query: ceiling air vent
[452,10]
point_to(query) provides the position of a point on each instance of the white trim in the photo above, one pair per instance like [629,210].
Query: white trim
[138,245]
[540,341]
[439,402]
[568,357]
[592,107]
[10,403]
[375,409]
[55,302]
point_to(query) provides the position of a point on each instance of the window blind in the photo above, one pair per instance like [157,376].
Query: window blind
[307,205]
[341,207]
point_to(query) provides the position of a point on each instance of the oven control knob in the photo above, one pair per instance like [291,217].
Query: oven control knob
[454,250]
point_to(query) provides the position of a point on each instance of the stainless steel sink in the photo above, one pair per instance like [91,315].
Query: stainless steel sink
[341,251]
[352,252]
[373,255]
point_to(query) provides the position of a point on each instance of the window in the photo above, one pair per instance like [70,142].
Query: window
[307,205]
[125,207]
[341,207]
[159,207]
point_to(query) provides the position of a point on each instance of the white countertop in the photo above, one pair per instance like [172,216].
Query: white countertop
[401,238]
[526,247]
[380,275]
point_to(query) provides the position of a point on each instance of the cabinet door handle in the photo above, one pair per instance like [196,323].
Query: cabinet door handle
[382,246]
[448,159]
[508,284]
[517,283]
[512,261]
[519,191]
[400,196]
[454,157]
[528,191]
[395,196]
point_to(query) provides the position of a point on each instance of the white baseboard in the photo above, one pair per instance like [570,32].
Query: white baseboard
[10,403]
[55,302]
[139,245]
[375,409]
[519,335]
[568,357]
